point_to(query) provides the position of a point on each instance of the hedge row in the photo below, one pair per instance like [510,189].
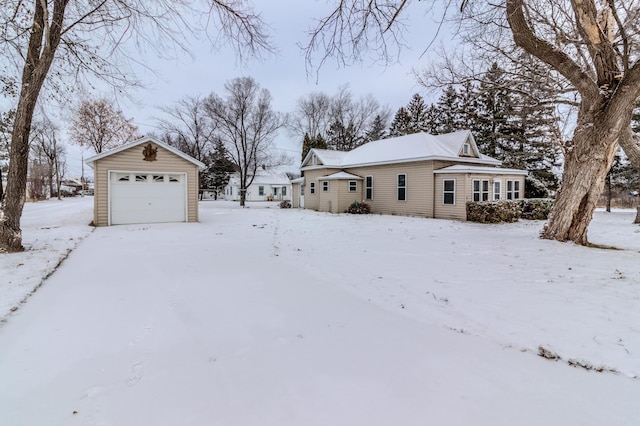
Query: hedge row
[509,210]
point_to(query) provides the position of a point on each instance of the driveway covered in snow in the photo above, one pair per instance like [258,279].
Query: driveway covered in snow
[262,316]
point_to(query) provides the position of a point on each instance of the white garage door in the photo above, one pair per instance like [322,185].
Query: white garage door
[144,197]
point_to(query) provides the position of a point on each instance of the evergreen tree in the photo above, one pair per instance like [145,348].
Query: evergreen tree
[417,111]
[401,123]
[376,130]
[343,138]
[448,112]
[219,169]
[308,142]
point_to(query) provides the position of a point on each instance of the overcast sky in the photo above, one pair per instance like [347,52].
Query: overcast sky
[284,74]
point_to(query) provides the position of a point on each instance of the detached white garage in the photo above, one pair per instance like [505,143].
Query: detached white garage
[145,181]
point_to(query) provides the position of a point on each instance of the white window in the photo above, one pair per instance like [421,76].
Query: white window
[480,190]
[314,159]
[449,191]
[284,190]
[325,186]
[402,187]
[369,187]
[513,190]
[261,191]
[466,149]
[312,187]
[353,186]
[497,189]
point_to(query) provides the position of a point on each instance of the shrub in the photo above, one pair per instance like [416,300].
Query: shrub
[285,204]
[536,208]
[535,188]
[494,211]
[359,208]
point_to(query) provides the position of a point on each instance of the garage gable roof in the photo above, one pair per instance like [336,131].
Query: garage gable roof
[89,161]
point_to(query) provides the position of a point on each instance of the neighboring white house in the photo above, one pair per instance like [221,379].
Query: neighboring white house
[267,185]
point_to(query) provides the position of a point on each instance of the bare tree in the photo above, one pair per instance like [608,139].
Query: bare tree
[247,125]
[46,149]
[188,127]
[99,125]
[593,47]
[311,115]
[343,120]
[87,36]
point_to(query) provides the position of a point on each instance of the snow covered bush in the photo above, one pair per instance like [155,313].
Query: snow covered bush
[285,204]
[536,208]
[359,208]
[494,211]
[535,188]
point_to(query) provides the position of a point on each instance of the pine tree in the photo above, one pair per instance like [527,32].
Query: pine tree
[219,169]
[448,115]
[308,142]
[401,123]
[417,111]
[376,131]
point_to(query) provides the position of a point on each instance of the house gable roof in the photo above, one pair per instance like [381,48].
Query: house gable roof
[402,149]
[324,157]
[89,161]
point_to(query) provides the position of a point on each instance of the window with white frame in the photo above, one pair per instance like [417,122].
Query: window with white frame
[449,191]
[466,149]
[513,190]
[369,187]
[480,190]
[314,159]
[261,191]
[325,186]
[353,186]
[312,187]
[402,187]
[284,190]
[497,189]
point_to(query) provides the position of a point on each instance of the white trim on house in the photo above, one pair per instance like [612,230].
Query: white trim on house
[89,161]
[340,176]
[460,168]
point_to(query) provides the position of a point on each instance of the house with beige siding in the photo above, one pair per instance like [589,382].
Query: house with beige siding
[144,181]
[413,175]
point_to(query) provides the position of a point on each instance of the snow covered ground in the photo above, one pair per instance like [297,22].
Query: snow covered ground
[263,316]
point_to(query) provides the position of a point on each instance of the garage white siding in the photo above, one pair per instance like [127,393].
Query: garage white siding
[142,197]
[147,201]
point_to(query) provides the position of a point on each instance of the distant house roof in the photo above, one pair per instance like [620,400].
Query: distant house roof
[89,161]
[413,147]
[462,168]
[264,177]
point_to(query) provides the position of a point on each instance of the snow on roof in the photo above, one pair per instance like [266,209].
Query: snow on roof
[339,176]
[462,168]
[265,177]
[89,161]
[330,157]
[416,146]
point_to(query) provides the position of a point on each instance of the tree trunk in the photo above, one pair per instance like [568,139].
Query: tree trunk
[1,188]
[243,196]
[608,193]
[40,54]
[637,215]
[586,166]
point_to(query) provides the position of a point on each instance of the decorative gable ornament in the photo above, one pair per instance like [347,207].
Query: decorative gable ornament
[150,152]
